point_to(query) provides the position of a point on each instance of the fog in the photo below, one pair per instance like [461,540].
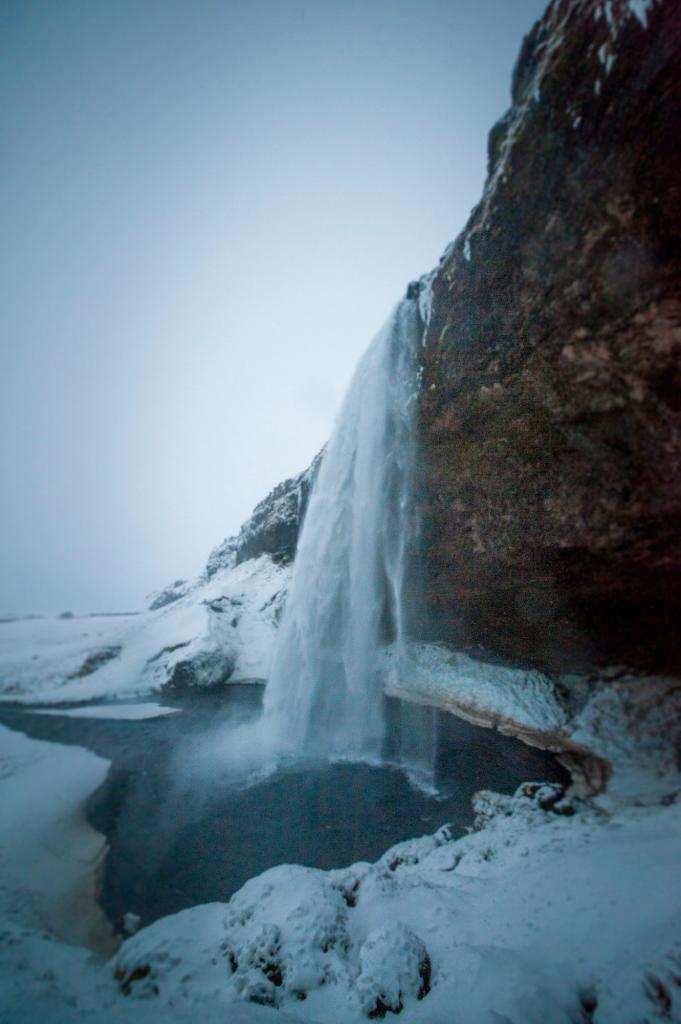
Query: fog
[208,209]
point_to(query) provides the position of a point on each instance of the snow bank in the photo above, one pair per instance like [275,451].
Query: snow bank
[48,856]
[48,852]
[223,628]
[529,918]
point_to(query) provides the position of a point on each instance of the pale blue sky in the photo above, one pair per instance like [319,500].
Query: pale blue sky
[207,210]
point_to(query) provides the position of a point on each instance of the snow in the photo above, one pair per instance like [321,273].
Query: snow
[609,17]
[640,10]
[426,297]
[607,59]
[47,900]
[631,724]
[529,918]
[635,724]
[168,594]
[127,712]
[223,628]
[616,17]
[47,850]
[394,965]
[435,674]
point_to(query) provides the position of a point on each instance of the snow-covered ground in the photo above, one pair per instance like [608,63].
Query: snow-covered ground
[48,913]
[48,852]
[554,908]
[222,628]
[539,916]
[551,910]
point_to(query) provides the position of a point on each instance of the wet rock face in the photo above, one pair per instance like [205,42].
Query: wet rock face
[550,415]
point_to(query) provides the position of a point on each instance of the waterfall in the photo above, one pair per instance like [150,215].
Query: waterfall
[345,599]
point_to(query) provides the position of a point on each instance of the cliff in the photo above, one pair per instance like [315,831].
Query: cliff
[273,526]
[550,412]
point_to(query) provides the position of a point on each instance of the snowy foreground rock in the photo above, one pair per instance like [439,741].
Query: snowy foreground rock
[220,629]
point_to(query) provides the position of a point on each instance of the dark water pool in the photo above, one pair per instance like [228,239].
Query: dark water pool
[179,837]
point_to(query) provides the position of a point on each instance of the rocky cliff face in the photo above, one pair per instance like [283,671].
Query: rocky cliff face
[550,414]
[273,527]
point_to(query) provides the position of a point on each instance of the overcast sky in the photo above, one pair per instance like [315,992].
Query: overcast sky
[208,207]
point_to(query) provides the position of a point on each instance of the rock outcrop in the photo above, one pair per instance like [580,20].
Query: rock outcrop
[273,527]
[167,595]
[550,412]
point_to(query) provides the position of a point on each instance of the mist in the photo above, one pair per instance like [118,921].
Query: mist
[208,211]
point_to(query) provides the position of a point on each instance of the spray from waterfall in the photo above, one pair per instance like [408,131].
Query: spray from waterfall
[346,598]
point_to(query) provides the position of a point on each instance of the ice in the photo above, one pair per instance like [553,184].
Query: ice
[127,712]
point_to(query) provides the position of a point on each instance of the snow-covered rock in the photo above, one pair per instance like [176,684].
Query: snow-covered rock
[222,628]
[616,732]
[275,522]
[219,627]
[222,557]
[273,527]
[173,592]
[393,965]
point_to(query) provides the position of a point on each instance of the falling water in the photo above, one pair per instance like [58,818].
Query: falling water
[345,600]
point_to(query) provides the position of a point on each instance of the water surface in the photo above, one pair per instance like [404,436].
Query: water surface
[179,835]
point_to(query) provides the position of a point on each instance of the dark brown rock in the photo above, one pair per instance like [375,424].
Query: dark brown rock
[276,521]
[273,527]
[550,415]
